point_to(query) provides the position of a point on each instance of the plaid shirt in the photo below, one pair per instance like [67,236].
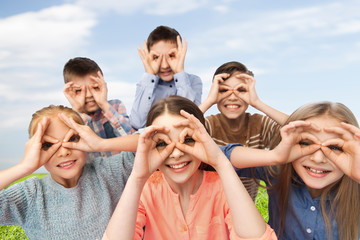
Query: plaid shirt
[118,119]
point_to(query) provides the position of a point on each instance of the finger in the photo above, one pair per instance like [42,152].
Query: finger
[184,148]
[49,139]
[197,124]
[184,133]
[52,150]
[167,151]
[68,135]
[344,133]
[70,122]
[146,47]
[72,145]
[334,142]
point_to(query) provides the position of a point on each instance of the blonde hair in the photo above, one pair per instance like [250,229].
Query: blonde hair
[344,194]
[51,111]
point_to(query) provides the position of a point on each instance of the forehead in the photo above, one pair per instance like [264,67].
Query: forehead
[324,122]
[169,120]
[82,80]
[163,46]
[233,80]
[57,129]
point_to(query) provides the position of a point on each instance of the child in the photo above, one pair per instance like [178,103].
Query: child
[163,57]
[313,195]
[182,201]
[77,198]
[86,91]
[233,90]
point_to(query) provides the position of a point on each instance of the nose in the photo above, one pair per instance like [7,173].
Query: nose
[63,152]
[232,96]
[318,157]
[176,153]
[87,92]
[164,63]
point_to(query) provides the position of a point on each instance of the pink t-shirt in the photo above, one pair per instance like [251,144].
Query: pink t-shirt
[208,215]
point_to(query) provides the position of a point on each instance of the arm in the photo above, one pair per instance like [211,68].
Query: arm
[144,97]
[247,221]
[287,150]
[344,151]
[118,118]
[34,156]
[148,159]
[250,96]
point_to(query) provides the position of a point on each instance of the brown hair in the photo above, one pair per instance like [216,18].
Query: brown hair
[51,111]
[162,33]
[232,67]
[80,66]
[344,194]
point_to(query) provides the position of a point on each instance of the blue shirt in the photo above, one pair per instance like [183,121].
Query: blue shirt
[304,219]
[151,88]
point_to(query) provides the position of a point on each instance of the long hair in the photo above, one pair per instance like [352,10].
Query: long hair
[52,111]
[344,205]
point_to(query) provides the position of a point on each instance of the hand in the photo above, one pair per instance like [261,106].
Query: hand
[39,148]
[148,158]
[88,142]
[204,148]
[217,91]
[151,60]
[292,135]
[247,91]
[75,94]
[344,152]
[98,89]
[176,56]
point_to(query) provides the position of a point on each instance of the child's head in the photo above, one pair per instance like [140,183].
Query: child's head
[179,167]
[160,41]
[321,176]
[80,70]
[232,107]
[65,165]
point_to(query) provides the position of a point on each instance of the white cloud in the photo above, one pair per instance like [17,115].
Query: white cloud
[36,38]
[150,7]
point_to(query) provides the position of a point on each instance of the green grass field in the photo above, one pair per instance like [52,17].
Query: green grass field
[16,233]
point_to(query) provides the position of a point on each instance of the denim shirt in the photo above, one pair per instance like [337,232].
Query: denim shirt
[304,219]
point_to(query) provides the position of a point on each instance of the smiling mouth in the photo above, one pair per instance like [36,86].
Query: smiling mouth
[177,166]
[316,171]
[232,106]
[66,163]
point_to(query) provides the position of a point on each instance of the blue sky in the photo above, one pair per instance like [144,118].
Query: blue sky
[299,51]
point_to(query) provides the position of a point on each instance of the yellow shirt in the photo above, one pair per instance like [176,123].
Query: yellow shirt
[208,215]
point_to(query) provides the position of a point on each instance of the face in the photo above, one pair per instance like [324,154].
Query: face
[66,165]
[232,107]
[90,104]
[179,167]
[163,47]
[316,170]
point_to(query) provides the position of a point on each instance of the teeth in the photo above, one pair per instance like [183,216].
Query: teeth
[66,164]
[179,165]
[316,171]
[232,106]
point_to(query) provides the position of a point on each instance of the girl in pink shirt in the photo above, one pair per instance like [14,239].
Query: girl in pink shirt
[181,201]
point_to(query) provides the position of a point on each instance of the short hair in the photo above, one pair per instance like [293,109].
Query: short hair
[173,105]
[162,33]
[232,67]
[52,111]
[80,66]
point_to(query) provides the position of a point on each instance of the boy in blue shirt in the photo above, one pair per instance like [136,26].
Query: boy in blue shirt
[86,91]
[163,57]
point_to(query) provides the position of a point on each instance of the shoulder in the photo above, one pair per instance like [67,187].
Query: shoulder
[193,77]
[115,102]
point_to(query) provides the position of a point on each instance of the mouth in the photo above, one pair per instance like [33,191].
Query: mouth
[90,103]
[316,172]
[166,72]
[232,107]
[178,166]
[67,164]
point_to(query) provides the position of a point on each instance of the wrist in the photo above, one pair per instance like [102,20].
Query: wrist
[105,106]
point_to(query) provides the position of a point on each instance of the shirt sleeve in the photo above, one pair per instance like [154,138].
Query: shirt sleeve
[140,221]
[16,201]
[118,118]
[188,86]
[144,97]
[269,130]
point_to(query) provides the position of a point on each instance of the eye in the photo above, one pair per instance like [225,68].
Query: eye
[305,143]
[335,148]
[78,91]
[241,90]
[189,141]
[155,58]
[74,138]
[46,145]
[161,144]
[223,90]
[172,55]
